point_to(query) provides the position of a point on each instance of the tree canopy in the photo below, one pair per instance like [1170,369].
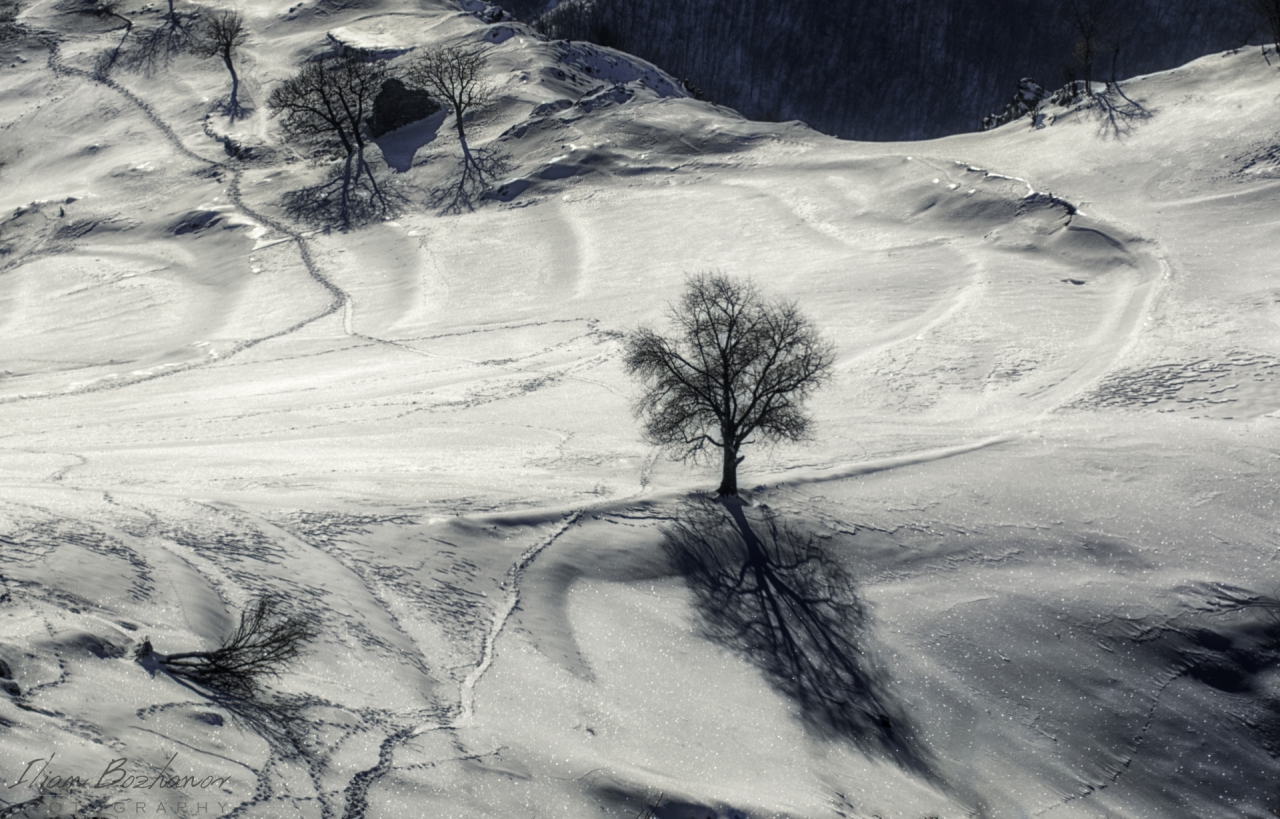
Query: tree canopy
[322,109]
[737,369]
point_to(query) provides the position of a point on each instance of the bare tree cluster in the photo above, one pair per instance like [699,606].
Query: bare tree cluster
[327,109]
[265,643]
[323,109]
[736,369]
[1268,12]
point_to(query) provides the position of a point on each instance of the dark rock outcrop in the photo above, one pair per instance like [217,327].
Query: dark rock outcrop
[397,105]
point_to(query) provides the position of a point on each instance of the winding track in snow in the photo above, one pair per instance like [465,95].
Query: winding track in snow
[341,300]
[340,297]
[1129,310]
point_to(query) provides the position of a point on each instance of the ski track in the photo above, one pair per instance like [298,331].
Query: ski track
[1130,309]
[1163,681]
[357,790]
[467,689]
[63,70]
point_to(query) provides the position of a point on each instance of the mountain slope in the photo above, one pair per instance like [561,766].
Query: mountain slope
[888,70]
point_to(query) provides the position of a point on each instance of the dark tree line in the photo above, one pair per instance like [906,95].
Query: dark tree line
[883,69]
[10,28]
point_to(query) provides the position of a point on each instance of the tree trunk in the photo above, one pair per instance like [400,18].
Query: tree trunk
[462,139]
[729,478]
[234,107]
[346,192]
[373,183]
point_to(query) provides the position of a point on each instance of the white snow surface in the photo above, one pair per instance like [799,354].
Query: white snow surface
[1047,460]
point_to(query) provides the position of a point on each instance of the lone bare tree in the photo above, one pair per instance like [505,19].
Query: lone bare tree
[323,108]
[222,36]
[736,370]
[453,75]
[107,9]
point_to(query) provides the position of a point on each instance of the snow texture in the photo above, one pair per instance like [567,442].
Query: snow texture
[1036,529]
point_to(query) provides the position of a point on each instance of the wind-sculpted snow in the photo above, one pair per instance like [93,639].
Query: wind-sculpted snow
[1023,568]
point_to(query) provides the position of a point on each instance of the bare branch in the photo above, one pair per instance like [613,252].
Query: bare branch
[453,75]
[263,645]
[323,109]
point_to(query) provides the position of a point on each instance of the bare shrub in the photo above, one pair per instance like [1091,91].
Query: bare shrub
[266,642]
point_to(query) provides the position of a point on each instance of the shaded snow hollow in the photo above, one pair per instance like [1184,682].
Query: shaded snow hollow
[1036,525]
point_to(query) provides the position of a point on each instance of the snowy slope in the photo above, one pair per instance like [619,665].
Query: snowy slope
[1047,462]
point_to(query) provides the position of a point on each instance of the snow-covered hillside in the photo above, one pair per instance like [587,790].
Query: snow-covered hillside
[1047,463]
[886,69]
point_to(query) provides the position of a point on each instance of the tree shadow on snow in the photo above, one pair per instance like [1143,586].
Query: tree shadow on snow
[768,591]
[150,51]
[478,170]
[279,720]
[346,199]
[232,107]
[1117,113]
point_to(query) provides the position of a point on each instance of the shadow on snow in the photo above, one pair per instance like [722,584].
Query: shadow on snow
[768,591]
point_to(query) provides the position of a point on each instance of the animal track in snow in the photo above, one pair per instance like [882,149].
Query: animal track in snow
[1239,384]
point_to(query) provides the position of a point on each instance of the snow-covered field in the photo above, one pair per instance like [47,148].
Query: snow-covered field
[1047,465]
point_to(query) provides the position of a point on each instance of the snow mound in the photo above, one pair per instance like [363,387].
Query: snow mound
[613,68]
[383,37]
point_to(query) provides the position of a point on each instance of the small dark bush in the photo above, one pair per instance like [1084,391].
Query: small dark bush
[263,645]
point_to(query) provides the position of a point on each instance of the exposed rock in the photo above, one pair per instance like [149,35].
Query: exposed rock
[397,105]
[1029,95]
